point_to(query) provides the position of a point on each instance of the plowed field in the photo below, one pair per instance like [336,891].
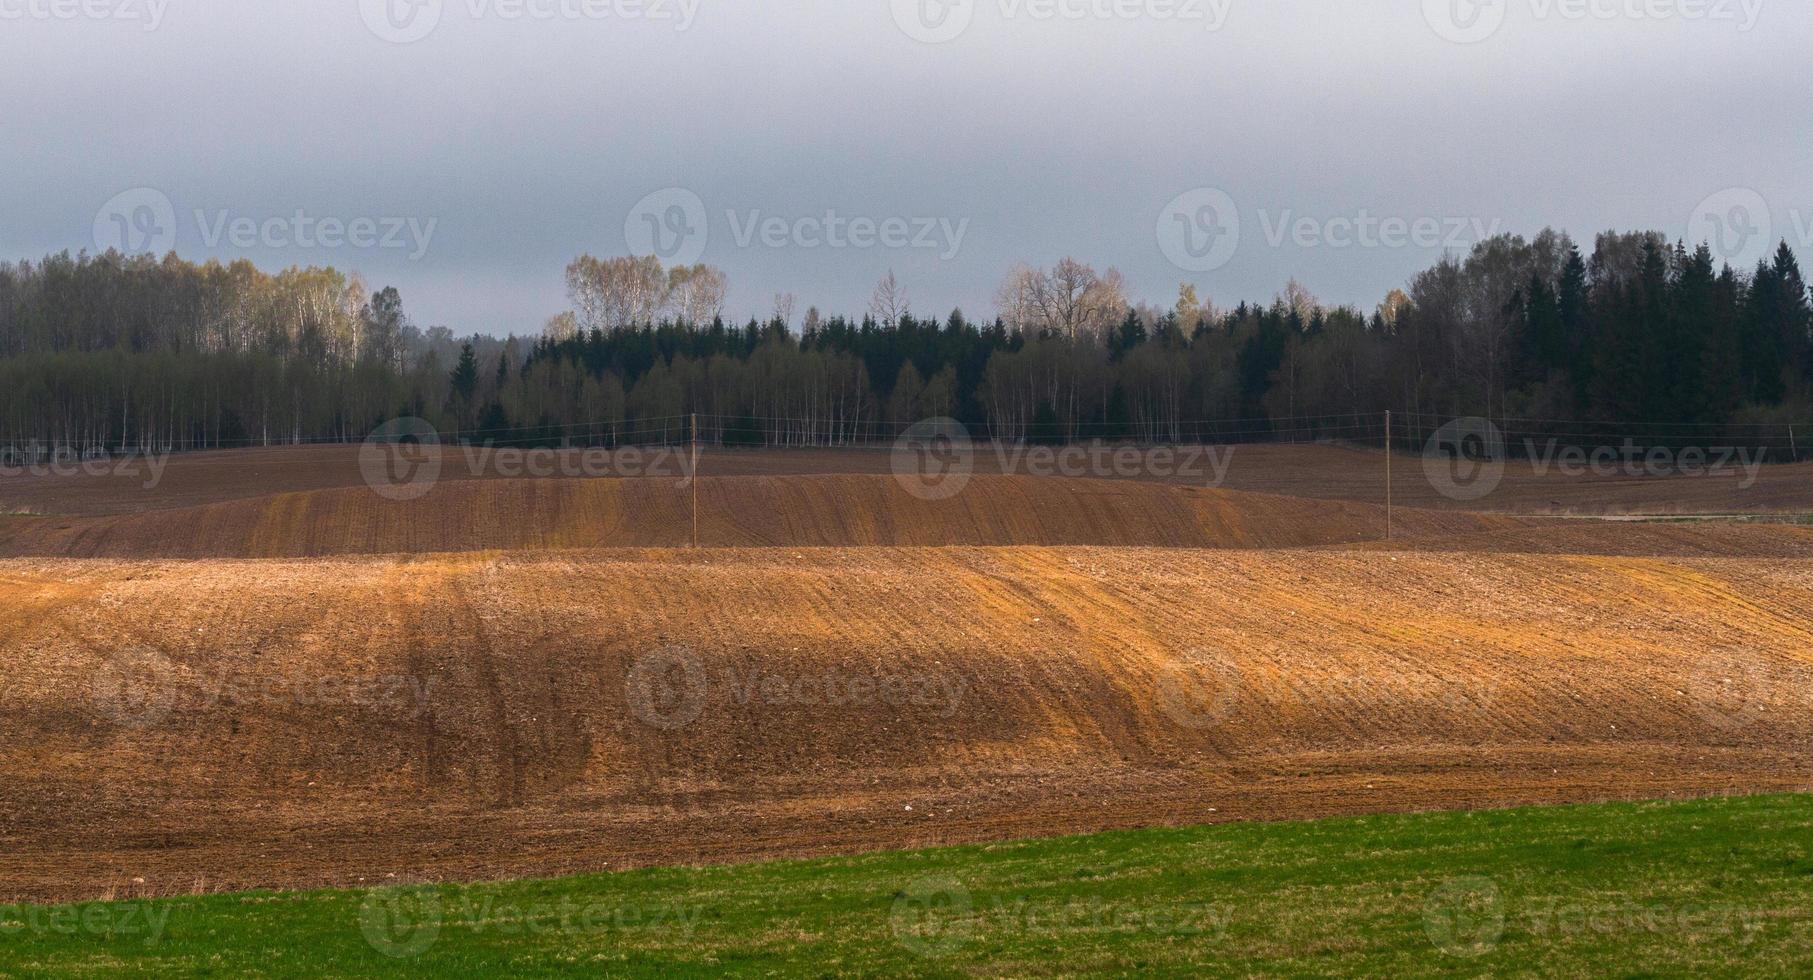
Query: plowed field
[740,512]
[181,725]
[1318,472]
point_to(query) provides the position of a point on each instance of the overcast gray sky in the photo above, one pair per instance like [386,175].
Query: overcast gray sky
[1174,139]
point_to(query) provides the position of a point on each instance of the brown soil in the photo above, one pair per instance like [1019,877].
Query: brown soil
[1322,472]
[1027,691]
[808,511]
[1696,539]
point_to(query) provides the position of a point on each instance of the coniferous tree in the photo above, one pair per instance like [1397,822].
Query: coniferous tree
[1721,367]
[463,384]
[131,353]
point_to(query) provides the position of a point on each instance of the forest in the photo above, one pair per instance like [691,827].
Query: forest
[111,353]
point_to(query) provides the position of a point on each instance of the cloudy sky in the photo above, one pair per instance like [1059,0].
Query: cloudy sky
[465,150]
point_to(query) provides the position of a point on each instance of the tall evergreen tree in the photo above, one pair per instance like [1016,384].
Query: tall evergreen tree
[1692,323]
[1722,356]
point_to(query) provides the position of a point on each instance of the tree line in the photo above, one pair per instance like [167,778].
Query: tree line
[114,352]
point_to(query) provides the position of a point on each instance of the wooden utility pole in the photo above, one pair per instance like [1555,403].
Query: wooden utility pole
[1388,495]
[1792,448]
[695,480]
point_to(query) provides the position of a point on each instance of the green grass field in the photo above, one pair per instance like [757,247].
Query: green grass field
[1710,887]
